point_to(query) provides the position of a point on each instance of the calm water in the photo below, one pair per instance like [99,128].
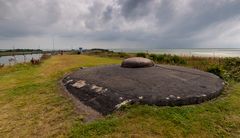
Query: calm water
[188,52]
[18,59]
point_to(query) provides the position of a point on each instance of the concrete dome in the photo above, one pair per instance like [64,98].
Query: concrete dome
[137,62]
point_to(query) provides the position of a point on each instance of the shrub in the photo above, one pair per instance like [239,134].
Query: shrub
[232,67]
[35,61]
[178,60]
[231,63]
[160,58]
[215,70]
[153,57]
[141,55]
[175,59]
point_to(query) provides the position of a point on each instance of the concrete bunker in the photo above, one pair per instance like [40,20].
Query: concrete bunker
[139,80]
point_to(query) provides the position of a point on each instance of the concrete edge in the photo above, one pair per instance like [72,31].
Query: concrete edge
[88,113]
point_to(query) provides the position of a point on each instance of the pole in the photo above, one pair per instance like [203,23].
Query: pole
[53,43]
[13,51]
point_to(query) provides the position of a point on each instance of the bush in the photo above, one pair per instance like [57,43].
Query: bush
[231,63]
[153,57]
[178,60]
[215,70]
[35,61]
[232,67]
[144,55]
[160,58]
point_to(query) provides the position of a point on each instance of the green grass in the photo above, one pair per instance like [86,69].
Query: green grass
[216,118]
[31,105]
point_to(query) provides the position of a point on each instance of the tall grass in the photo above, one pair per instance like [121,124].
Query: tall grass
[167,59]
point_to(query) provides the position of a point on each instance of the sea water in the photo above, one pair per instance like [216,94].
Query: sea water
[201,52]
[6,60]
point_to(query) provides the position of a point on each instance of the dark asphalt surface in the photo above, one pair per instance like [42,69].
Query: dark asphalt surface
[106,88]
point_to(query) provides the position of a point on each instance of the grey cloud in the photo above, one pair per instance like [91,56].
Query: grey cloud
[107,14]
[151,23]
[205,14]
[16,19]
[165,12]
[93,20]
[135,8]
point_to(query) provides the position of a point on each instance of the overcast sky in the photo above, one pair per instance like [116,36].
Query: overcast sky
[120,23]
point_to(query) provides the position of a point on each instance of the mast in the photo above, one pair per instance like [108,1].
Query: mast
[53,43]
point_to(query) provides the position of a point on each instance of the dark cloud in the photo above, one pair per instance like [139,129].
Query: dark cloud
[107,14]
[132,9]
[165,12]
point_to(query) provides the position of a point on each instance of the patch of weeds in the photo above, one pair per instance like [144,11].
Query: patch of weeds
[232,67]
